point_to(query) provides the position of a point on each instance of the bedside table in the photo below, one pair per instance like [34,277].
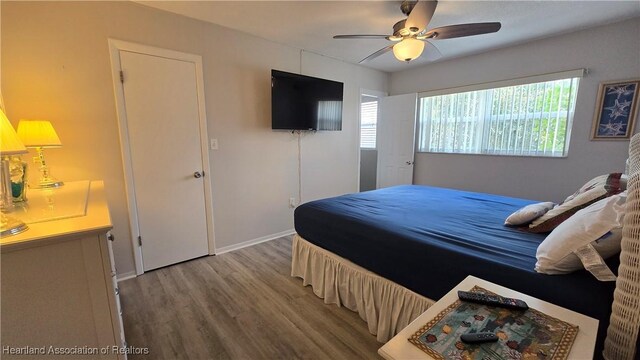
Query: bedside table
[399,348]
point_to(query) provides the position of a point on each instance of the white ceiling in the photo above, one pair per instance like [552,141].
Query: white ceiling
[310,25]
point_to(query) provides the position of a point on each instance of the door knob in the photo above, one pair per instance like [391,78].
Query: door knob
[197,174]
[409,163]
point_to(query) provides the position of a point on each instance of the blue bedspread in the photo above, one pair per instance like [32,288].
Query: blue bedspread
[429,239]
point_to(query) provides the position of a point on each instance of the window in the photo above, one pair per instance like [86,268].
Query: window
[532,118]
[368,121]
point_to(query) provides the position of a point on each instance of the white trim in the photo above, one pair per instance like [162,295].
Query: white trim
[115,46]
[244,244]
[503,83]
[126,276]
[204,149]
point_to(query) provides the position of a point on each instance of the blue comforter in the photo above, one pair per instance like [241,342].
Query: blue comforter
[429,239]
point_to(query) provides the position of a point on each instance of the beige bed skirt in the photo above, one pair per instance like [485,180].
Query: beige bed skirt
[385,306]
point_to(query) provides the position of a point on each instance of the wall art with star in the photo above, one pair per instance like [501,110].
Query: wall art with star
[616,110]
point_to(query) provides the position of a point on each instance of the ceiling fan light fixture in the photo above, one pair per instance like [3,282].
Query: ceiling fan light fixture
[408,49]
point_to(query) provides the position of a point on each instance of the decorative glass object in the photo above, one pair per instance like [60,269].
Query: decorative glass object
[18,174]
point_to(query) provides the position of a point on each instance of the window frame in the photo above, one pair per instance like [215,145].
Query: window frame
[570,74]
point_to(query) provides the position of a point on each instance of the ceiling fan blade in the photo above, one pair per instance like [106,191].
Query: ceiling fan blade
[431,52]
[461,30]
[361,36]
[421,15]
[376,54]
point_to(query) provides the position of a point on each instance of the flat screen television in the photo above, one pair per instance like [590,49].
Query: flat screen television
[300,102]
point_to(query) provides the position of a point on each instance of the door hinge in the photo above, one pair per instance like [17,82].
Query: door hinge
[139,240]
[121,76]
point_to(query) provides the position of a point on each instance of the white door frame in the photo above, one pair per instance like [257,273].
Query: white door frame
[377,94]
[115,46]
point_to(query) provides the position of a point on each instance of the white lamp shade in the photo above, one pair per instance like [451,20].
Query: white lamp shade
[38,133]
[10,143]
[408,49]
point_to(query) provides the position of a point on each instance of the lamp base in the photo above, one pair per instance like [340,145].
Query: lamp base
[11,226]
[49,184]
[46,180]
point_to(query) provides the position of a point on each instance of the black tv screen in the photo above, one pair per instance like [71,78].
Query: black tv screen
[301,102]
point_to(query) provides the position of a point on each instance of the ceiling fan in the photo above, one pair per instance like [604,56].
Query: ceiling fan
[410,34]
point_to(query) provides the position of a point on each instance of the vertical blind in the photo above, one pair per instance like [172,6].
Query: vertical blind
[531,119]
[368,124]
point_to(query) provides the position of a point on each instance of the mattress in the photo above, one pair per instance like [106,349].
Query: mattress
[428,239]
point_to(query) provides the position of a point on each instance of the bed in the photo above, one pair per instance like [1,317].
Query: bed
[388,253]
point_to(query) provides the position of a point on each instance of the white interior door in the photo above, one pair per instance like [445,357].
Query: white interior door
[396,140]
[163,125]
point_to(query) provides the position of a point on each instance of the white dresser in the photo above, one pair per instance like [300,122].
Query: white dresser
[58,291]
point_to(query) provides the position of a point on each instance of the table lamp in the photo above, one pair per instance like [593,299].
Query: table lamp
[39,134]
[10,144]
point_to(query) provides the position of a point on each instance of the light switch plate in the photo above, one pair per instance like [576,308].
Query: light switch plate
[214,144]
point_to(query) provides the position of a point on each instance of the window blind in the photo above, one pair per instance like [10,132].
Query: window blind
[532,119]
[368,124]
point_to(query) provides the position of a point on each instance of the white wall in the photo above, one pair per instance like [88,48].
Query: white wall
[368,169]
[610,52]
[56,66]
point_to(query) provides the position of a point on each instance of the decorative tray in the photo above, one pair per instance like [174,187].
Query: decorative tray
[523,335]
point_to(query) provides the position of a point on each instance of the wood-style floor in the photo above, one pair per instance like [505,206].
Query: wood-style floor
[239,305]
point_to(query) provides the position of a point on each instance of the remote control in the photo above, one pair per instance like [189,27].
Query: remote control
[492,300]
[474,338]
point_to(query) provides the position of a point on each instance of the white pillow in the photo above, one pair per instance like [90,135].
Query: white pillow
[528,213]
[599,224]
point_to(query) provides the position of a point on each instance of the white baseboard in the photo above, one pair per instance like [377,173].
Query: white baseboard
[244,244]
[225,249]
[126,276]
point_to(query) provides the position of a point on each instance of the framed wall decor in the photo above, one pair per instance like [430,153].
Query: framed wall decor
[616,110]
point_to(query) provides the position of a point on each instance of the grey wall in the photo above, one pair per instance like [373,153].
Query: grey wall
[610,52]
[368,169]
[56,66]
